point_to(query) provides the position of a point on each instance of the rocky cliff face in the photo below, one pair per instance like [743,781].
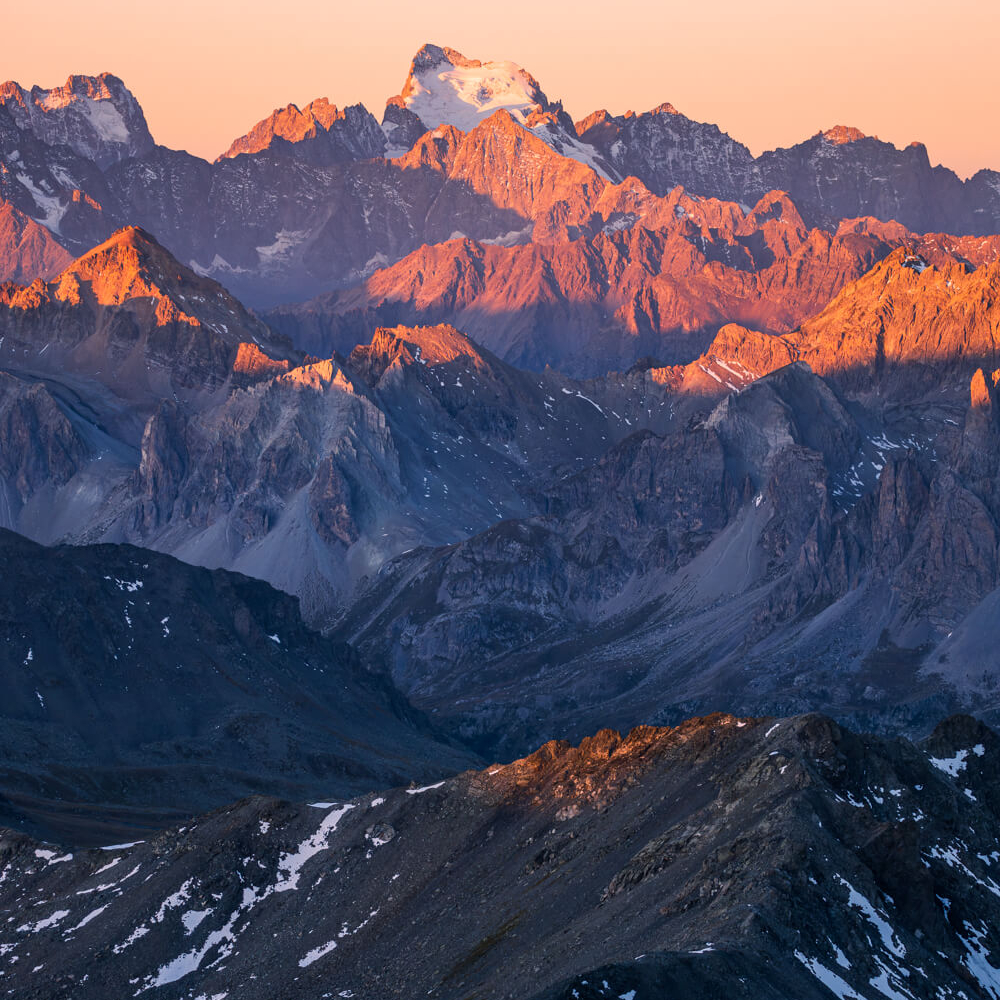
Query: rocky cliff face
[698,568]
[836,174]
[665,149]
[96,117]
[313,477]
[749,511]
[727,856]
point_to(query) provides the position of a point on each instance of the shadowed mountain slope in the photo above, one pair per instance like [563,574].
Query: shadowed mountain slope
[727,857]
[140,690]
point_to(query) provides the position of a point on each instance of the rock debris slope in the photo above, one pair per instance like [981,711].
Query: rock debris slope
[744,857]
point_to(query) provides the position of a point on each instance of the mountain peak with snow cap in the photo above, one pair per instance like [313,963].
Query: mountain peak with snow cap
[96,116]
[443,87]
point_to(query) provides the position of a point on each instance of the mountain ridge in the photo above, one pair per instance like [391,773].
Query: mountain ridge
[751,857]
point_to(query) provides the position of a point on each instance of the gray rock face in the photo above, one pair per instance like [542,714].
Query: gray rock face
[727,857]
[41,447]
[96,117]
[599,576]
[665,149]
[704,568]
[140,689]
[842,174]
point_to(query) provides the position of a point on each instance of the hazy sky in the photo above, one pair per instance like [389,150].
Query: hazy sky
[770,73]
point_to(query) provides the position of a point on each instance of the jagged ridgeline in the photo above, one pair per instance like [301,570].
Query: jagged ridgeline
[727,857]
[323,197]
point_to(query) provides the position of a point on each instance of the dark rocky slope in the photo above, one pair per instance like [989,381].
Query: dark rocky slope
[727,857]
[139,690]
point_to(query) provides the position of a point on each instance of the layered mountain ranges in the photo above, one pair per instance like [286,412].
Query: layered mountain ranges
[801,541]
[744,857]
[370,452]
[141,403]
[315,200]
[526,554]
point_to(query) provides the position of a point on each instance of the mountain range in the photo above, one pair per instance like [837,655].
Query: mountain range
[315,200]
[372,451]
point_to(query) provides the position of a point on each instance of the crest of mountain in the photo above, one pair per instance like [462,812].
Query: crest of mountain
[335,135]
[907,314]
[901,327]
[128,315]
[168,690]
[314,477]
[445,88]
[744,857]
[842,173]
[96,117]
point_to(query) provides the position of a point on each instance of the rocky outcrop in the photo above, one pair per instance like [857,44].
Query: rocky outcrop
[664,149]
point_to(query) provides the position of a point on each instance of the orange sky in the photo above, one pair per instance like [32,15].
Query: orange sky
[770,73]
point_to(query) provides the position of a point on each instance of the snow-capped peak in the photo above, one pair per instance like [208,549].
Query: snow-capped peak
[445,88]
[96,116]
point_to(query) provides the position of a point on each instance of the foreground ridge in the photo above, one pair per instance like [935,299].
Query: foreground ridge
[746,857]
